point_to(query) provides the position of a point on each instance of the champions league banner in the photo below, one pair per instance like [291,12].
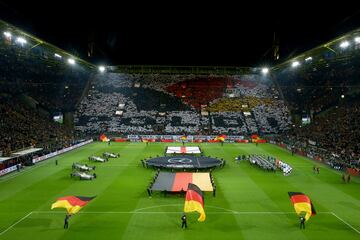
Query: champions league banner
[188,162]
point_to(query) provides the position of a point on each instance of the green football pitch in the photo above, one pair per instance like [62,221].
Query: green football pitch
[250,203]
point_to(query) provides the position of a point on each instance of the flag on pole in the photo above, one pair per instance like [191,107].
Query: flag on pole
[221,138]
[302,204]
[73,204]
[194,201]
[103,138]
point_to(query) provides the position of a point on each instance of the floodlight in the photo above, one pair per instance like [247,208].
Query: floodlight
[344,44]
[71,61]
[295,64]
[101,68]
[264,70]
[7,34]
[21,40]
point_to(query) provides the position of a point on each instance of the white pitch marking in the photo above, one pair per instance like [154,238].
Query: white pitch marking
[136,212]
[27,215]
[348,224]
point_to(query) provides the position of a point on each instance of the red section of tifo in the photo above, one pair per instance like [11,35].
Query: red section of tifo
[181,181]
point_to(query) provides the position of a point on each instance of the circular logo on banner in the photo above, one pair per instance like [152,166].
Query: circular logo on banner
[179,160]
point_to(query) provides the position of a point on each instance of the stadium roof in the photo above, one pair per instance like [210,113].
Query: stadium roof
[181,34]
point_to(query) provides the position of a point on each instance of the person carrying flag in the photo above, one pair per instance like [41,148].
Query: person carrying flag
[66,221]
[72,204]
[302,222]
[221,139]
[183,221]
[303,207]
[183,138]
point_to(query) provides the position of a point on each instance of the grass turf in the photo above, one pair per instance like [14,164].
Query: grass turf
[250,203]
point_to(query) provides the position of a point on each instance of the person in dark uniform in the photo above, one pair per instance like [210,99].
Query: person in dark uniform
[66,221]
[149,191]
[302,222]
[182,192]
[183,221]
[56,162]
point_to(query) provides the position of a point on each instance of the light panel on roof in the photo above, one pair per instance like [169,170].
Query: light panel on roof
[265,70]
[295,64]
[21,40]
[71,61]
[344,44]
[7,34]
[101,68]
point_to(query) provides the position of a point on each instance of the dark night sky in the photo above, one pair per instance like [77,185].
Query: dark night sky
[183,33]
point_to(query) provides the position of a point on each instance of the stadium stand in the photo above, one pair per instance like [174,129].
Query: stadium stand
[35,85]
[156,103]
[325,89]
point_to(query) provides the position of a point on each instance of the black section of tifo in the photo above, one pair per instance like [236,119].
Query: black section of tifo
[164,182]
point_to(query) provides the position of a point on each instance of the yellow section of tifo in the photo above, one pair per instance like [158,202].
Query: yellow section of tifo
[202,180]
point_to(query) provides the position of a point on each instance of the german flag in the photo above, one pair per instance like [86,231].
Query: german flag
[103,138]
[194,201]
[72,203]
[221,138]
[302,204]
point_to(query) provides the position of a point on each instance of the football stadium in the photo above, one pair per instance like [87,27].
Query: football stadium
[164,151]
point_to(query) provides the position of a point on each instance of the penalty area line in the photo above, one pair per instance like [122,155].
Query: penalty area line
[10,227]
[346,223]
